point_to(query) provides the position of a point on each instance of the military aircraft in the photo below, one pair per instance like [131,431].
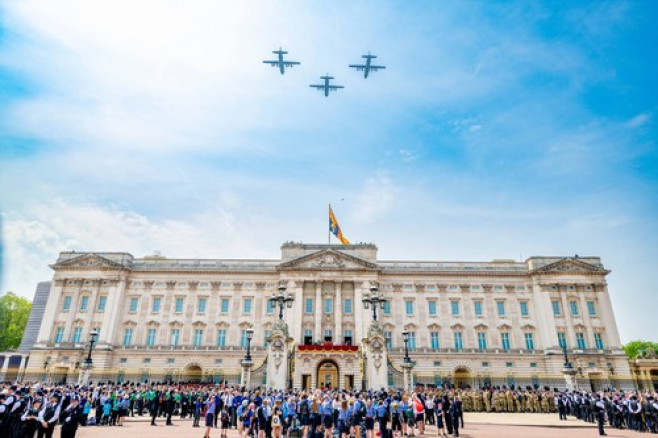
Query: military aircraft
[280,62]
[367,67]
[326,87]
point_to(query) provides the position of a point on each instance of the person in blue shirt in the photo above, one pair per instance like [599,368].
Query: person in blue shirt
[198,406]
[369,420]
[382,417]
[327,414]
[210,414]
[343,419]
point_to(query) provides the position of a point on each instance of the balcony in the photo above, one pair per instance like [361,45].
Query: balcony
[328,347]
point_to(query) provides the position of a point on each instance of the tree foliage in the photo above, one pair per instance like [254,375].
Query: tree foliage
[14,312]
[639,348]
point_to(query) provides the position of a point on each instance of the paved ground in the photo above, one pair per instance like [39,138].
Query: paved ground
[477,425]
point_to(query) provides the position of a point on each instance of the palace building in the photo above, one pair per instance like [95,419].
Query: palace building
[160,319]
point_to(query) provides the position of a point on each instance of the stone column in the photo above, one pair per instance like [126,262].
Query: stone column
[109,328]
[317,335]
[5,367]
[277,356]
[376,358]
[543,315]
[296,329]
[358,315]
[21,368]
[51,310]
[245,377]
[611,339]
[93,303]
[338,333]
[407,368]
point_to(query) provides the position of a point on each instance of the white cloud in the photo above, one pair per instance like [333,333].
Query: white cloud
[639,120]
[375,199]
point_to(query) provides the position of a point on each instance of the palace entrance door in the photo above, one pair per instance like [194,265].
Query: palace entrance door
[327,374]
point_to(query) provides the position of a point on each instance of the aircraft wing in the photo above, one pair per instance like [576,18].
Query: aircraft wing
[358,67]
[290,63]
[334,87]
[317,86]
[272,63]
[376,67]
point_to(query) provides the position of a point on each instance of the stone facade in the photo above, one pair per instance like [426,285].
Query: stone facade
[498,322]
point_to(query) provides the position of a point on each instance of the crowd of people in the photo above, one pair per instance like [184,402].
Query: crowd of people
[35,409]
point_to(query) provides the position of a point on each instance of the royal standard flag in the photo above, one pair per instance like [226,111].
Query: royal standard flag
[335,228]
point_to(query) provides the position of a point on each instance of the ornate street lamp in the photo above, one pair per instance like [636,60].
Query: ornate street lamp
[250,335]
[92,341]
[376,300]
[281,299]
[567,364]
[405,338]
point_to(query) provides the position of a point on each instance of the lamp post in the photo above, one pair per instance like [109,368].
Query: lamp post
[567,364]
[92,341]
[405,338]
[569,371]
[281,299]
[376,300]
[250,335]
[407,364]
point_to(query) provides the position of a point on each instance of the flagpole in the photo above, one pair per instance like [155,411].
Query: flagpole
[329,230]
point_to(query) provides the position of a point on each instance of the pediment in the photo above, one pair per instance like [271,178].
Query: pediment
[570,266]
[328,259]
[88,261]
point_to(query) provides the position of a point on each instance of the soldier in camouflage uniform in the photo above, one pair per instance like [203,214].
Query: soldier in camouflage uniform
[487,401]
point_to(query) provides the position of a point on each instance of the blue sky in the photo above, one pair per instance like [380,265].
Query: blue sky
[498,130]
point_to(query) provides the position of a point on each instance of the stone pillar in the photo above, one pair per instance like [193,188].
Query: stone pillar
[317,335]
[277,356]
[245,377]
[49,313]
[5,367]
[21,368]
[407,368]
[109,328]
[358,315]
[297,329]
[546,327]
[85,374]
[338,334]
[611,339]
[570,378]
[376,358]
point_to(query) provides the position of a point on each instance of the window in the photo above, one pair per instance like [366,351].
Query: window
[156,305]
[529,341]
[269,307]
[247,305]
[67,304]
[201,305]
[266,336]
[150,337]
[485,364]
[308,337]
[409,307]
[221,338]
[437,363]
[431,307]
[500,307]
[504,340]
[348,337]
[179,305]
[556,308]
[171,360]
[509,364]
[482,340]
[123,360]
[561,340]
[434,340]
[574,308]
[133,304]
[327,336]
[198,337]
[454,306]
[328,305]
[459,343]
[598,340]
[243,339]
[347,305]
[102,300]
[84,303]
[533,364]
[580,341]
[524,308]
[146,360]
[308,305]
[389,340]
[387,307]
[127,337]
[412,341]
[77,334]
[591,309]
[477,307]
[224,305]
[175,337]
